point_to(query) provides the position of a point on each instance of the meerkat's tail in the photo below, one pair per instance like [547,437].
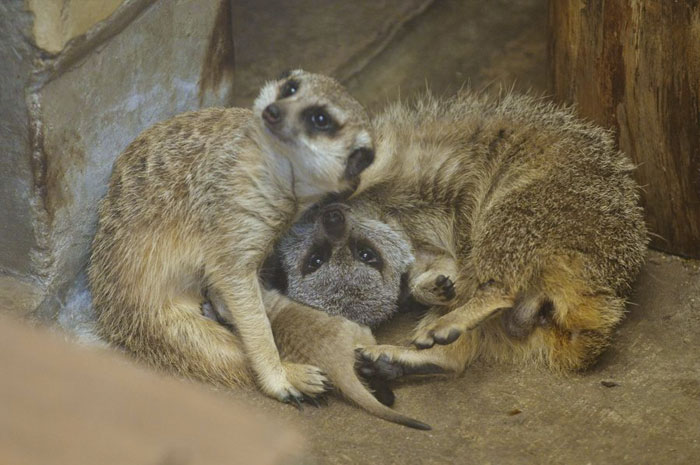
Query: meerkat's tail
[353,389]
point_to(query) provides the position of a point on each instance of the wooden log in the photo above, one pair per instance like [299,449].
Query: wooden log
[634,66]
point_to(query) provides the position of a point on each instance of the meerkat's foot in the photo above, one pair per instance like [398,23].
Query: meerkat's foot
[297,384]
[488,300]
[389,362]
[433,288]
[309,380]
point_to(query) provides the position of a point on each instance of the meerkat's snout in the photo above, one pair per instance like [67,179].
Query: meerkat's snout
[333,222]
[272,115]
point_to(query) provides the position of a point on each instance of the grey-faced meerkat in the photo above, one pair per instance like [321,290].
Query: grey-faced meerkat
[195,205]
[345,265]
[514,207]
[351,270]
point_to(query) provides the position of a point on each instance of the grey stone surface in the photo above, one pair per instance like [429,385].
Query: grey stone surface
[145,74]
[17,233]
[66,117]
[499,43]
[336,38]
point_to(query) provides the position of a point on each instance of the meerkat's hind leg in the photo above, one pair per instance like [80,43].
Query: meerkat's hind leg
[389,362]
[489,299]
[529,311]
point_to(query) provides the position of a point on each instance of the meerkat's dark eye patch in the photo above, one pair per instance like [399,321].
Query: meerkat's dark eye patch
[317,256]
[288,89]
[317,120]
[367,254]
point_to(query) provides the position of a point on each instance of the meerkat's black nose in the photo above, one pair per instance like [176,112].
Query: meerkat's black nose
[334,222]
[272,114]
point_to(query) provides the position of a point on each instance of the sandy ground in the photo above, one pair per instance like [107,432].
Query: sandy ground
[639,405]
[495,414]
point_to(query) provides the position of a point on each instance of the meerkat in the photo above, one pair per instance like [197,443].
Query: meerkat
[194,206]
[513,207]
[355,267]
[307,335]
[351,270]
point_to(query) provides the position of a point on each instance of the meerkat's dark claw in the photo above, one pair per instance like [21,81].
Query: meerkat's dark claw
[446,287]
[294,400]
[312,400]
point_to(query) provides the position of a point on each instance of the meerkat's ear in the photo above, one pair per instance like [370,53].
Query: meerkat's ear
[358,160]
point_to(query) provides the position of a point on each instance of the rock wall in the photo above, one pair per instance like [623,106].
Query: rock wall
[81,79]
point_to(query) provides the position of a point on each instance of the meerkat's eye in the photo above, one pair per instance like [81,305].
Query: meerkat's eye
[317,119]
[313,263]
[320,120]
[367,255]
[288,89]
[318,255]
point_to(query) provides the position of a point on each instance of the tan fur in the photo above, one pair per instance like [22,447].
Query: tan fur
[522,205]
[194,206]
[329,341]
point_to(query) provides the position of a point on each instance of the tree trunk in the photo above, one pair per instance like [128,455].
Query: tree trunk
[634,66]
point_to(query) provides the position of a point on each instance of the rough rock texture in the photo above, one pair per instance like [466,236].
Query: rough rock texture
[17,236]
[67,116]
[336,38]
[454,43]
[81,81]
[56,22]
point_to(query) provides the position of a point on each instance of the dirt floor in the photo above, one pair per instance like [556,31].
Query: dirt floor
[639,405]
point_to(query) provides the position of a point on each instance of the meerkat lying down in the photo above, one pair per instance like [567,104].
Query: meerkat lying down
[355,267]
[194,206]
[351,269]
[524,224]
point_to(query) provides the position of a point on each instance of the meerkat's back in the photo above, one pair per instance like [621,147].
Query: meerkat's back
[526,208]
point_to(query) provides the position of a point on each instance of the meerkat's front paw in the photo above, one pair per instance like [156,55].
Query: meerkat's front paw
[302,383]
[308,379]
[432,288]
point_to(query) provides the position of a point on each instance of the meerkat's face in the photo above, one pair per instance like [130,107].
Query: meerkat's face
[345,265]
[324,132]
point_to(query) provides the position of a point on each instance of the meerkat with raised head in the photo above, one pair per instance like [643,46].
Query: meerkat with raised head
[194,206]
[513,206]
